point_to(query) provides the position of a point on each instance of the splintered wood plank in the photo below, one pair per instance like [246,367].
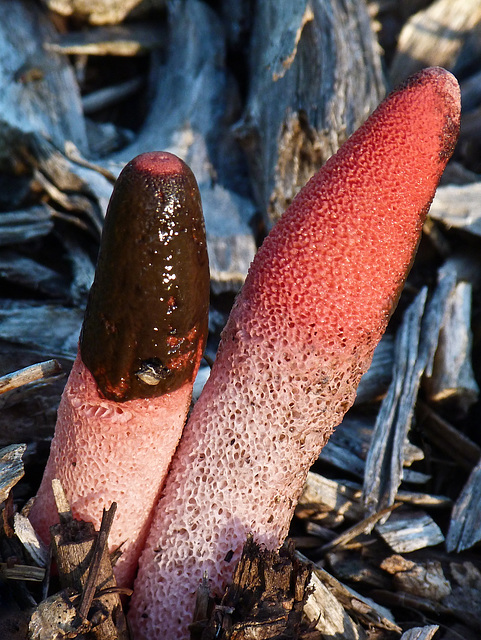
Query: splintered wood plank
[416,343]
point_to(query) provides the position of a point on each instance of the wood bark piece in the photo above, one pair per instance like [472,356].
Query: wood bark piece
[434,37]
[426,500]
[420,633]
[425,579]
[11,468]
[25,224]
[407,532]
[31,324]
[348,447]
[103,11]
[465,526]
[119,40]
[111,95]
[322,495]
[21,572]
[265,599]
[444,435]
[458,206]
[465,597]
[353,565]
[363,609]
[31,543]
[327,614]
[452,378]
[21,271]
[313,81]
[41,95]
[416,342]
[56,618]
[196,126]
[375,381]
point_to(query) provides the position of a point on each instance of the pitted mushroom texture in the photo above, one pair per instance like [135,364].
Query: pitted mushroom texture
[111,452]
[315,304]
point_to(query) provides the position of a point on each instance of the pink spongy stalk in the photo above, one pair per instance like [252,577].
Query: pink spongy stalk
[315,303]
[105,451]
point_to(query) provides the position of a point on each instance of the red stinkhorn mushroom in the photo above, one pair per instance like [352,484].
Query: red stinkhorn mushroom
[315,303]
[127,397]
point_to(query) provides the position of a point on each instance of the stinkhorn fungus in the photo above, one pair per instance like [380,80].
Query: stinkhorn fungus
[316,301]
[127,397]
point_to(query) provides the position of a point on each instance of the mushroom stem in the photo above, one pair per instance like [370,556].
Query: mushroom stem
[128,394]
[315,303]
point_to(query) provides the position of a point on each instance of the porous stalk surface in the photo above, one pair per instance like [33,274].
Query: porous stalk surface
[314,306]
[105,451]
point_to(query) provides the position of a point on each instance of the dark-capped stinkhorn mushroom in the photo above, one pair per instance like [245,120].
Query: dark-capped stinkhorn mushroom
[316,301]
[127,397]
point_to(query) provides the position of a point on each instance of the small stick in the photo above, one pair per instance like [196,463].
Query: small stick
[33,373]
[98,552]
[84,565]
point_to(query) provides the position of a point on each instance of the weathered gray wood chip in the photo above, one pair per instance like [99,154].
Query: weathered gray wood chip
[39,91]
[25,532]
[26,272]
[362,608]
[328,615]
[416,342]
[407,532]
[452,377]
[50,330]
[434,36]
[11,468]
[420,633]
[465,526]
[458,206]
[325,494]
[313,81]
[25,224]
[103,11]
[375,381]
[119,40]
